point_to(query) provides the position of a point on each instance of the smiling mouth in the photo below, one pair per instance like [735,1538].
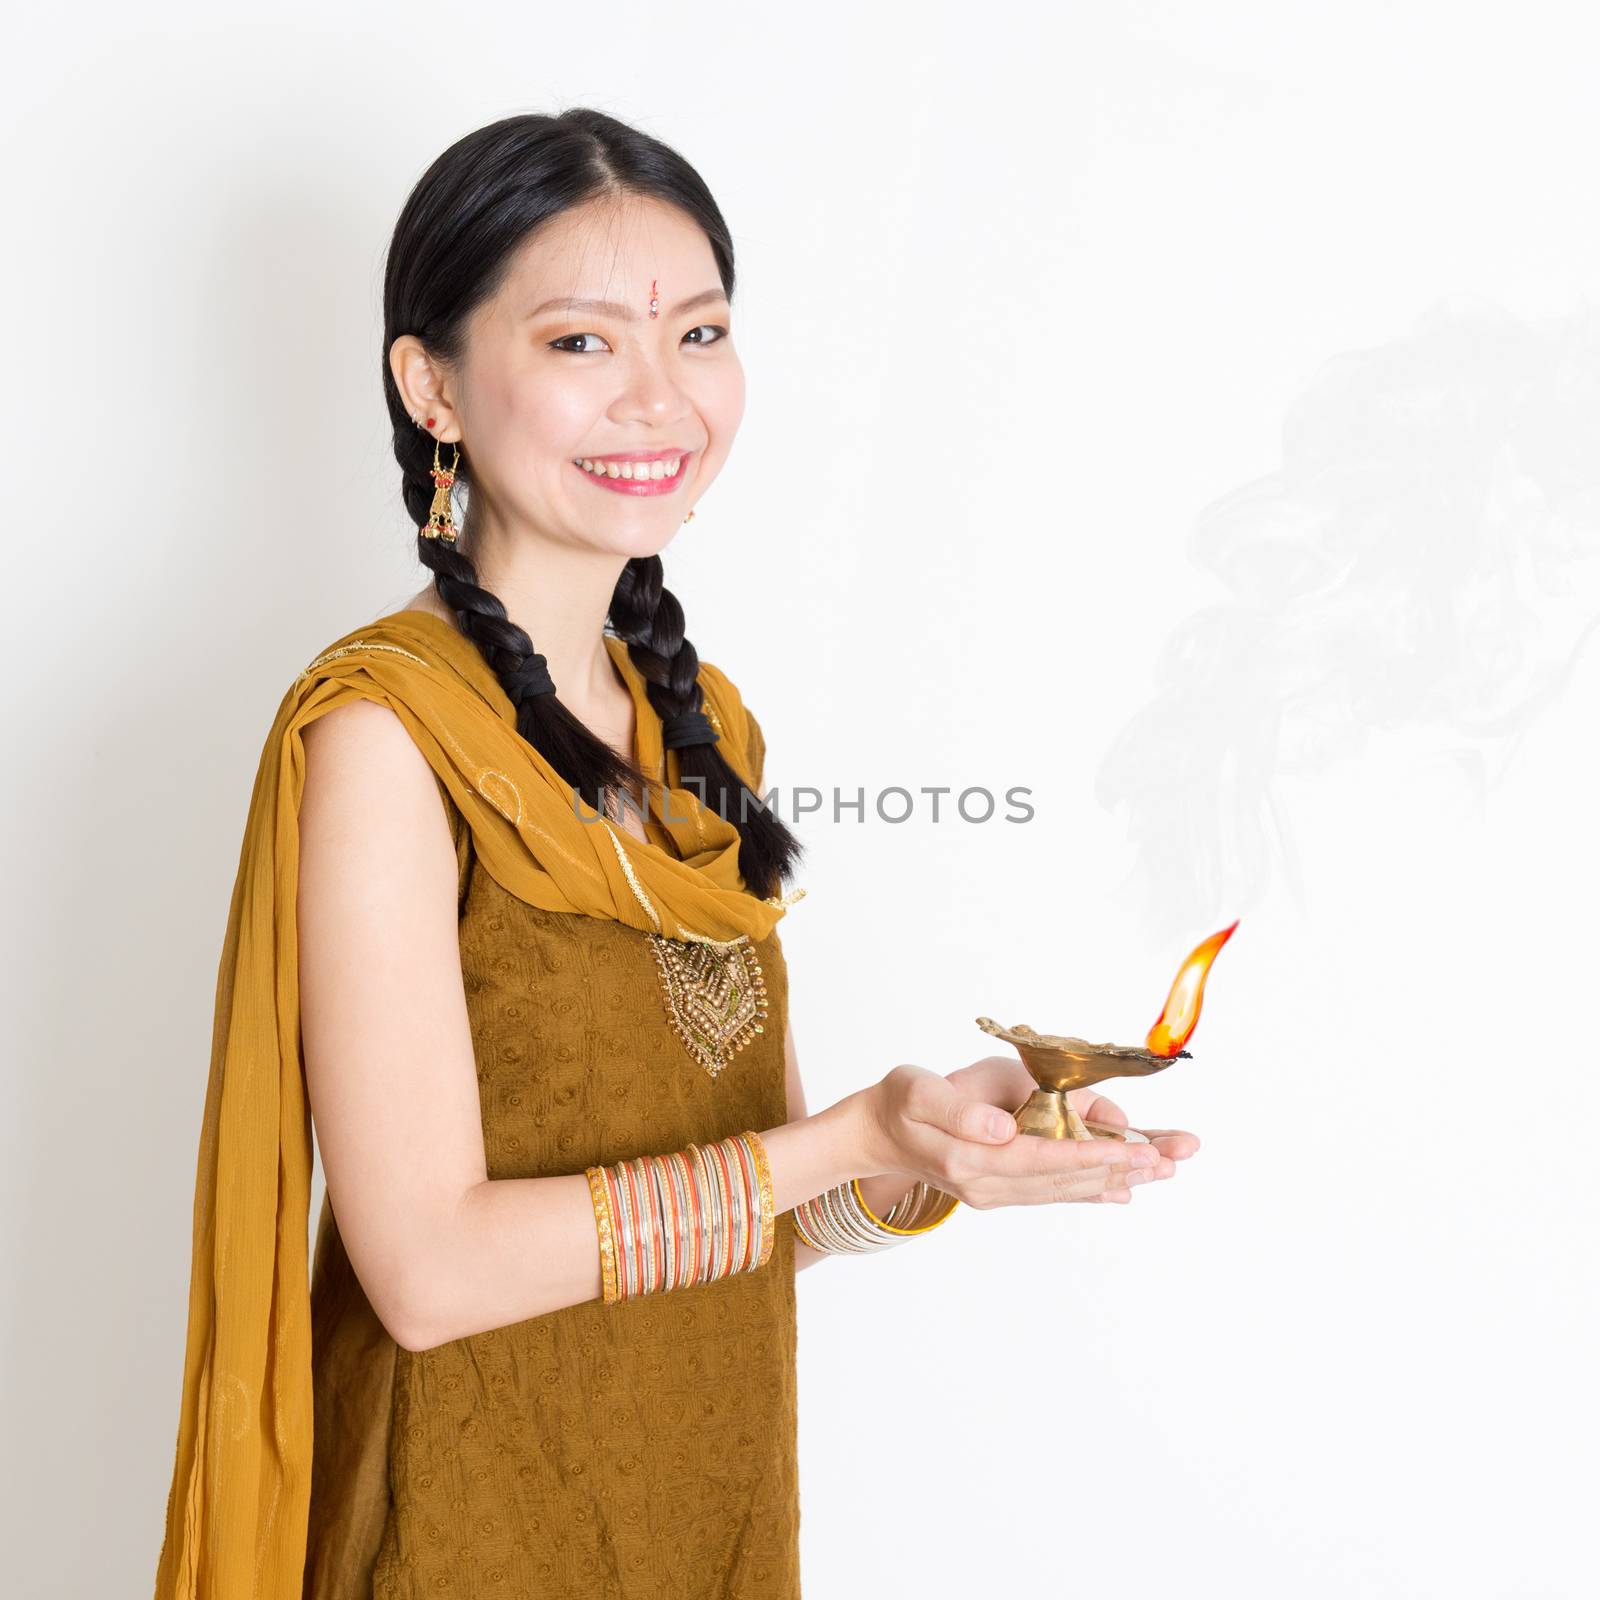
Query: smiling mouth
[632,471]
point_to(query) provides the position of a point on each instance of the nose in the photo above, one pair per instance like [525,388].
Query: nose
[650,394]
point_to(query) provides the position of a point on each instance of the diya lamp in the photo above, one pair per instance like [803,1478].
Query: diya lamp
[1059,1063]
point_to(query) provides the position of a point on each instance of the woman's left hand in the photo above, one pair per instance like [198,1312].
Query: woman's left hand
[1003,1081]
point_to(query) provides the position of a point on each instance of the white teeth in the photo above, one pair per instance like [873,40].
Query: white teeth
[633,469]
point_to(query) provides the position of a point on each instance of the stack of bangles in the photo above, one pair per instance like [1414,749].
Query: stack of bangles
[697,1215]
[840,1222]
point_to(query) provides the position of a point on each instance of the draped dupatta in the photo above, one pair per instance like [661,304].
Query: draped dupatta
[237,1509]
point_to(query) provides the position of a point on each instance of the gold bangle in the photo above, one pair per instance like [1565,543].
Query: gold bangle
[769,1220]
[921,1200]
[604,1227]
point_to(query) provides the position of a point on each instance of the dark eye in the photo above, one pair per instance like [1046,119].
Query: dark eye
[556,344]
[707,327]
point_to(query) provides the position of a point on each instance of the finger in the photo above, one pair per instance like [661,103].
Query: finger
[1105,1111]
[937,1102]
[1118,1131]
[1000,1080]
[1127,1175]
[1164,1168]
[1091,1184]
[1027,1157]
[1084,1184]
[1173,1142]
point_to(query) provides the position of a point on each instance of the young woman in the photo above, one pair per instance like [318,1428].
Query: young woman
[505,927]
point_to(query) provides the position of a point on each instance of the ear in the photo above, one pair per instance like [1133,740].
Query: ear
[423,388]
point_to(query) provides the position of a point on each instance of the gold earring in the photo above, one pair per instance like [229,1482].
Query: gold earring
[441,522]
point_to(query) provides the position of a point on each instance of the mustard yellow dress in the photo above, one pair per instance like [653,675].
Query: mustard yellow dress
[644,1450]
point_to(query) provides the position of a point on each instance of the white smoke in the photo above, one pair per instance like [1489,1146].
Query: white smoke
[1422,563]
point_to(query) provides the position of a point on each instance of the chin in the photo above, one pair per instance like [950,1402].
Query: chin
[645,542]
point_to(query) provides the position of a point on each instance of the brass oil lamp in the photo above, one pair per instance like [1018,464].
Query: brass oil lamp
[1060,1062]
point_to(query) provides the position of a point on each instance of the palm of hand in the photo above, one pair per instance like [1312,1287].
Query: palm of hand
[1003,1081]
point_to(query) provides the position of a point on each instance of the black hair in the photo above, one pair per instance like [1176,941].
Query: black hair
[452,247]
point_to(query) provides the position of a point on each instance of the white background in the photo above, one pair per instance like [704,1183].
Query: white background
[1190,413]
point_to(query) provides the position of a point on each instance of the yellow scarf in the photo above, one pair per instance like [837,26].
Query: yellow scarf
[238,1507]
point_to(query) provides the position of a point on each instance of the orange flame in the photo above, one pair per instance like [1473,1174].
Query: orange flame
[1182,1009]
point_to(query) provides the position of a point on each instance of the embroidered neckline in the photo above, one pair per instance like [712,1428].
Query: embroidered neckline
[716,999]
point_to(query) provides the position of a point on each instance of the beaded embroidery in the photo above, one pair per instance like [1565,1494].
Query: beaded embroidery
[716,997]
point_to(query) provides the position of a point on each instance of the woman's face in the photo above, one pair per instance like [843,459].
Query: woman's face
[546,385]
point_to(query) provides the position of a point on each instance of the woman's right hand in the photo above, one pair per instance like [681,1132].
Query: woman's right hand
[921,1125]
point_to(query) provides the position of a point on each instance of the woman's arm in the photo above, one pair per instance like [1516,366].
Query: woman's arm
[441,1250]
[880,1191]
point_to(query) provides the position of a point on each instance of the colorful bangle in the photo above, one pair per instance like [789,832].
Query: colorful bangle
[673,1221]
[840,1222]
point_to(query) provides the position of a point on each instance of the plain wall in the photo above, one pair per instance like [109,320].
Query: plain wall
[1188,413]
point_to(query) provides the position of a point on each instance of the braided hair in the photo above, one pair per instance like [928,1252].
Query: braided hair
[451,248]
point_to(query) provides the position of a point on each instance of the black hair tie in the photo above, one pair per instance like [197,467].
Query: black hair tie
[531,678]
[688,727]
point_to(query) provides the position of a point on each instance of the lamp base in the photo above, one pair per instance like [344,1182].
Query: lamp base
[1047,1114]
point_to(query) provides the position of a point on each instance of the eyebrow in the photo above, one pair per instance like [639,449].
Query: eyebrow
[613,308]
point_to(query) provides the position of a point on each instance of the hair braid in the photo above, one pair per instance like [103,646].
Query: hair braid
[649,620]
